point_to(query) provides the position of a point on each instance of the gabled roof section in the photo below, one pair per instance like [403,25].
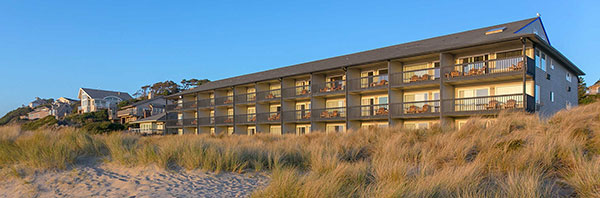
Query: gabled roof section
[535,27]
[154,118]
[510,31]
[100,94]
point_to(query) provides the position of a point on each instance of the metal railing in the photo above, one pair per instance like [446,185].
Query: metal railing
[335,113]
[486,103]
[245,118]
[368,111]
[296,115]
[224,100]
[269,95]
[268,117]
[380,81]
[206,121]
[146,131]
[206,102]
[416,108]
[487,67]
[227,119]
[298,91]
[420,75]
[329,87]
[245,98]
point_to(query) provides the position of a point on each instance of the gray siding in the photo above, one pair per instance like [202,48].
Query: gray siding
[557,84]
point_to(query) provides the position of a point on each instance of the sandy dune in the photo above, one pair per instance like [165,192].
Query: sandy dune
[113,181]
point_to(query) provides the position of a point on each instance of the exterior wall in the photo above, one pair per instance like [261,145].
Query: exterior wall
[39,113]
[557,84]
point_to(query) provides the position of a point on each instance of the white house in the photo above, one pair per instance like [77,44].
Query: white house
[93,99]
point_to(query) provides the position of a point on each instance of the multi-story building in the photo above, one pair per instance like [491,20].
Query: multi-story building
[507,67]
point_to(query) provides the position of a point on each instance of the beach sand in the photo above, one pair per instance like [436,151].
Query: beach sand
[105,180]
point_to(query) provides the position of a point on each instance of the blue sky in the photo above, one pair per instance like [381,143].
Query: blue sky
[51,48]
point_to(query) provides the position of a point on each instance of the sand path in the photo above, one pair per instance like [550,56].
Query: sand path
[113,181]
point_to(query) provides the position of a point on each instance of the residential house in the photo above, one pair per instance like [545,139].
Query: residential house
[94,99]
[142,109]
[65,100]
[150,125]
[594,89]
[438,81]
[37,102]
[40,112]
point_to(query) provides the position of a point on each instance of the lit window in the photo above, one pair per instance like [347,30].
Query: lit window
[552,96]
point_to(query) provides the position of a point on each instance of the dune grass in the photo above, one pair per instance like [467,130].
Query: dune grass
[519,155]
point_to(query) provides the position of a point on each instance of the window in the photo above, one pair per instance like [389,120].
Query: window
[509,54]
[537,94]
[543,62]
[568,77]
[507,90]
[552,96]
[473,93]
[335,128]
[568,105]
[551,64]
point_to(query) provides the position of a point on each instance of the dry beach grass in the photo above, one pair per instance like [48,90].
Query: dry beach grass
[517,156]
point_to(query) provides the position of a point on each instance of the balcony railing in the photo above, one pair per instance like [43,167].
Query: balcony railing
[329,87]
[336,113]
[145,131]
[227,119]
[298,91]
[270,117]
[269,95]
[129,111]
[182,122]
[368,111]
[414,76]
[416,108]
[182,106]
[297,115]
[206,102]
[245,98]
[368,82]
[225,100]
[206,121]
[245,118]
[487,67]
[487,103]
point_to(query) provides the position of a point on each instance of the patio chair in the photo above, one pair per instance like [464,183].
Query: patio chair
[414,78]
[510,104]
[412,109]
[335,114]
[426,77]
[493,104]
[425,109]
[324,114]
[306,115]
[455,74]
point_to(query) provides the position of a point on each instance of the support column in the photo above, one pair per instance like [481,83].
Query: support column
[446,91]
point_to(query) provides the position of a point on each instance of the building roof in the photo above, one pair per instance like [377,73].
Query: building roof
[100,94]
[154,118]
[469,38]
[596,84]
[69,99]
[141,102]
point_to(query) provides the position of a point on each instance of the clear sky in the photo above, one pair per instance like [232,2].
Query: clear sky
[51,48]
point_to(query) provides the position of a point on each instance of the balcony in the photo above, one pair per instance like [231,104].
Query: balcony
[127,112]
[416,77]
[270,117]
[333,87]
[206,121]
[378,111]
[336,113]
[369,82]
[269,95]
[245,98]
[489,68]
[296,92]
[190,122]
[182,106]
[430,108]
[296,116]
[224,120]
[489,104]
[245,118]
[225,100]
[142,131]
[204,103]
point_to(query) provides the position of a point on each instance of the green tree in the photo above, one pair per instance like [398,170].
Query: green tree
[192,83]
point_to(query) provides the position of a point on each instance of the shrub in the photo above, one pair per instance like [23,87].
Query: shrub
[102,127]
[43,122]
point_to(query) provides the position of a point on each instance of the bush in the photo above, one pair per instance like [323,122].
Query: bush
[14,115]
[36,124]
[102,127]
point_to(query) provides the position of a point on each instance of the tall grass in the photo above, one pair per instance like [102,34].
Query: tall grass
[519,155]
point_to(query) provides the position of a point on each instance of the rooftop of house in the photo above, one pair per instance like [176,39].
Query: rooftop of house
[487,35]
[156,101]
[100,94]
[154,118]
